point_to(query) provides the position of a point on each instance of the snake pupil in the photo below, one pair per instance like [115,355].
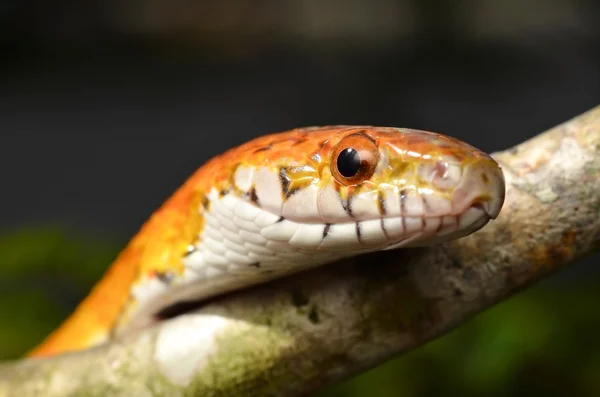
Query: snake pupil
[348,162]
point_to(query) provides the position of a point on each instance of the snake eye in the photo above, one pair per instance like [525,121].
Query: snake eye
[354,159]
[348,162]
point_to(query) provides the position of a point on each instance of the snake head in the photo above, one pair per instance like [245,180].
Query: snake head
[360,189]
[289,201]
[286,202]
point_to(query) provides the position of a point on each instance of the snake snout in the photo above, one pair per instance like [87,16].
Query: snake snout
[482,187]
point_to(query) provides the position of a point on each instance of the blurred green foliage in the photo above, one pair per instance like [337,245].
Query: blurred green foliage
[44,272]
[543,342]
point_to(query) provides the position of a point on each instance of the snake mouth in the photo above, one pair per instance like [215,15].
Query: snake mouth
[485,208]
[362,236]
[448,228]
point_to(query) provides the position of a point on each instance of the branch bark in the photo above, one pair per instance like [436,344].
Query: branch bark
[298,334]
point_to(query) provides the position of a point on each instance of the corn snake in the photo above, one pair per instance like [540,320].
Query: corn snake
[284,203]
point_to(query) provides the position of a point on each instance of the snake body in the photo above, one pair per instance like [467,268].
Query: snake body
[283,203]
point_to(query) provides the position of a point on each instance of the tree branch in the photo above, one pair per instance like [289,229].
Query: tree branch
[298,334]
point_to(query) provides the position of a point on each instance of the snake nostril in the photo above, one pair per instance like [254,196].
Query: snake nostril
[440,170]
[444,174]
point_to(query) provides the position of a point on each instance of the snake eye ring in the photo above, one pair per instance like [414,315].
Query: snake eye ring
[353,159]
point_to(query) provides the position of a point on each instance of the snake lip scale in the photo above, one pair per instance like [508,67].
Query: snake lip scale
[280,204]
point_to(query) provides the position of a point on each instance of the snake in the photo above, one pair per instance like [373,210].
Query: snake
[280,204]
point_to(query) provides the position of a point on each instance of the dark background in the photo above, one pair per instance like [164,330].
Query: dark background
[107,106]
